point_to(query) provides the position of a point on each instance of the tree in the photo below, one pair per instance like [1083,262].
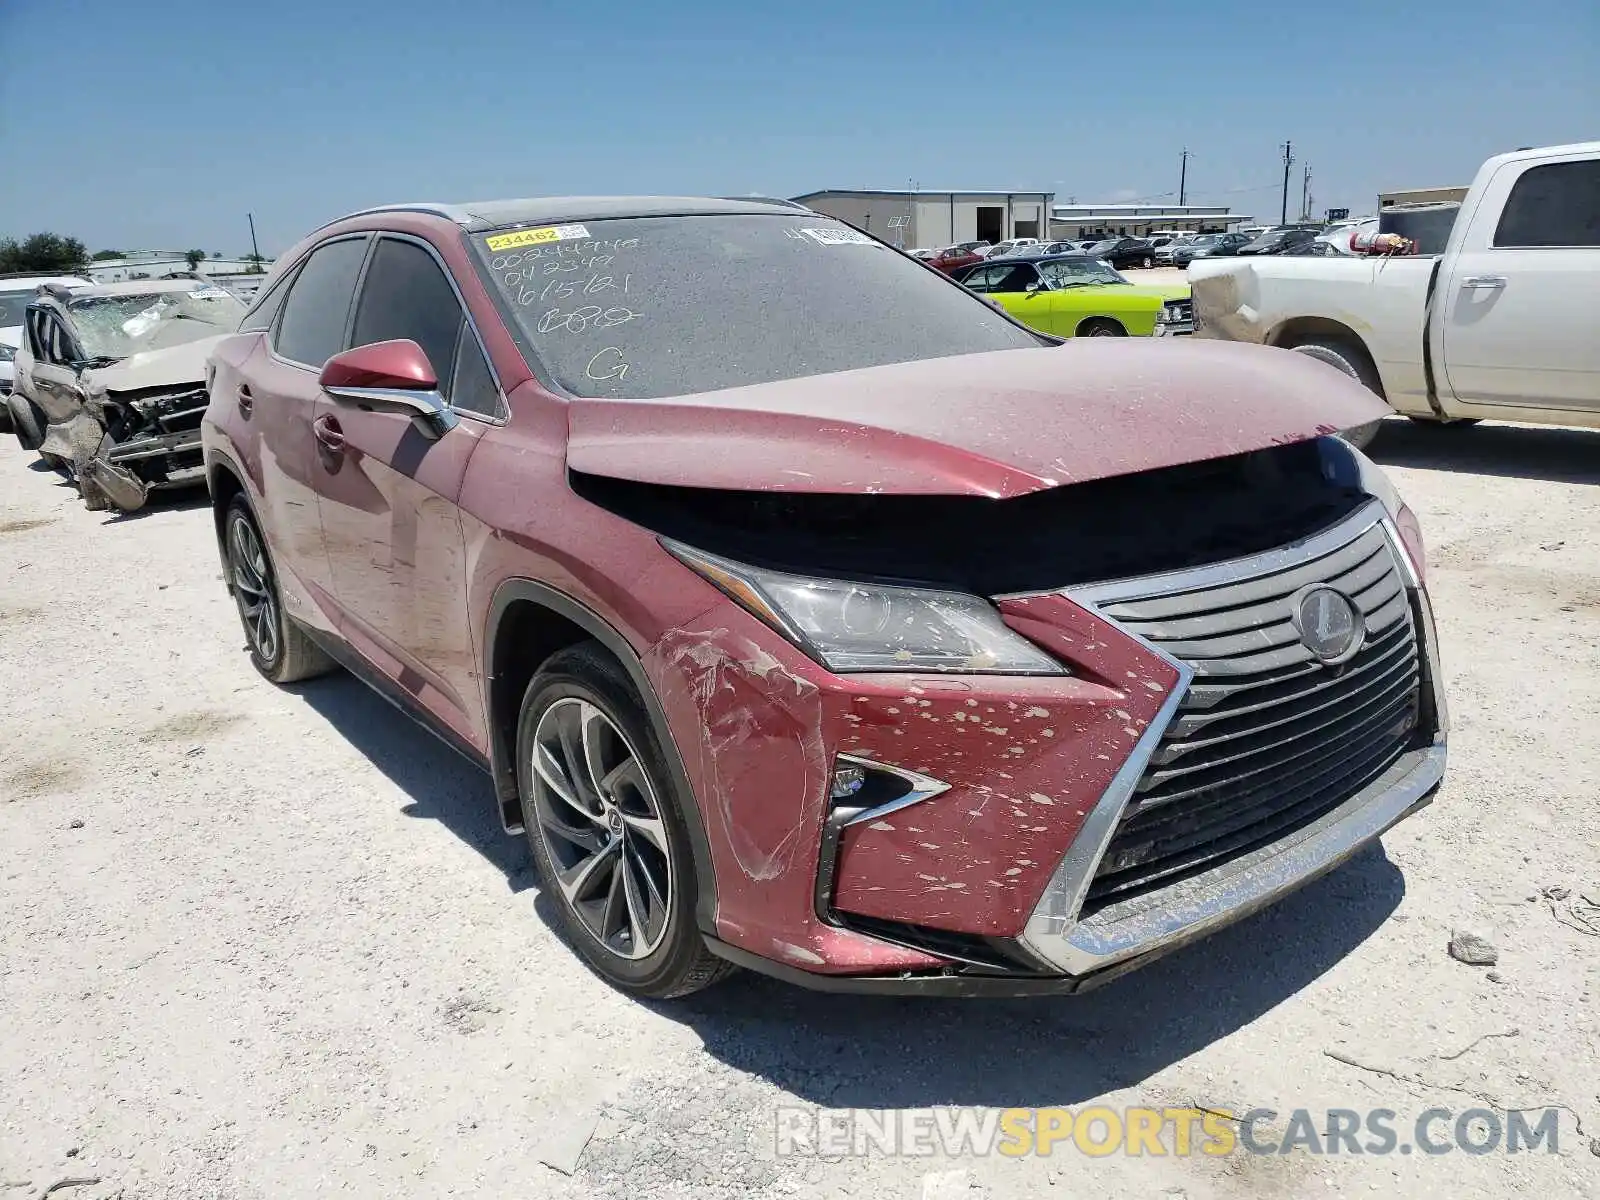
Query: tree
[257,264]
[103,255]
[194,257]
[42,252]
[216,254]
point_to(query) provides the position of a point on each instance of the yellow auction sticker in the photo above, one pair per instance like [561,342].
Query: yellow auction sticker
[532,237]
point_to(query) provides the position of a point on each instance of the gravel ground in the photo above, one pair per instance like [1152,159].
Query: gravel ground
[272,943]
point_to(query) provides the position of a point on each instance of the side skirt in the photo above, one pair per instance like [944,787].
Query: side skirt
[385,688]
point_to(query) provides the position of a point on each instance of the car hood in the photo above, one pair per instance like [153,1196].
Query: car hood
[998,424]
[1160,291]
[154,368]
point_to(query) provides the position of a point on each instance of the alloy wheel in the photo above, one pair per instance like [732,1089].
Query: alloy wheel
[600,822]
[252,589]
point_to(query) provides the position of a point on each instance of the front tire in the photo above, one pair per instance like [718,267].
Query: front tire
[606,829]
[27,422]
[1101,327]
[1354,362]
[279,648]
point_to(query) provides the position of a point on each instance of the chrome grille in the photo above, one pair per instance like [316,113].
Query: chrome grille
[1267,738]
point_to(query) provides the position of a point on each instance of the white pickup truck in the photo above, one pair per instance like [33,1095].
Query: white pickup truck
[1505,324]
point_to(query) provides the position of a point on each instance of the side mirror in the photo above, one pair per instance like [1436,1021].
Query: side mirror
[392,377]
[1034,288]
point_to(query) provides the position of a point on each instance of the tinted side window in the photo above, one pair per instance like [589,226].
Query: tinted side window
[1557,204]
[473,389]
[406,295]
[314,315]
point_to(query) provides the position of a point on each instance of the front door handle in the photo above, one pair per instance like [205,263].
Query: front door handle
[1484,283]
[247,402]
[329,434]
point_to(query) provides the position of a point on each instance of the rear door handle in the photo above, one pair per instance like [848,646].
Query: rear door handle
[329,434]
[247,402]
[1484,283]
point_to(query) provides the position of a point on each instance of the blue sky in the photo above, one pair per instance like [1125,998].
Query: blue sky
[161,124]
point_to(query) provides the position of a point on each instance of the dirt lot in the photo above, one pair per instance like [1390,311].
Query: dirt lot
[272,943]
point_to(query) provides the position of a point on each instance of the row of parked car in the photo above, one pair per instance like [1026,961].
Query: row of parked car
[780,619]
[1172,248]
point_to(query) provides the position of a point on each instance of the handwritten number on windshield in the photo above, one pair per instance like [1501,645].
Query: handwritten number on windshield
[607,364]
[580,320]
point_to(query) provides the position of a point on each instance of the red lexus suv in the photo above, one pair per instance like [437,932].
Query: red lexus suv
[809,614]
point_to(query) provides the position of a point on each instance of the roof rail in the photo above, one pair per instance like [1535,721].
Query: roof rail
[451,212]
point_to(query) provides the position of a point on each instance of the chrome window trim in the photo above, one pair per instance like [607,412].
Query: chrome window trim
[1079,946]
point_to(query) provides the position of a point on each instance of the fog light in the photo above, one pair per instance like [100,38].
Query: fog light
[848,779]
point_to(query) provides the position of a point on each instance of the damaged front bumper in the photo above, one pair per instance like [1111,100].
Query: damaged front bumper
[149,441]
[931,875]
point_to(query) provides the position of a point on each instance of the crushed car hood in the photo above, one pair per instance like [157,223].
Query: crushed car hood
[154,368]
[998,424]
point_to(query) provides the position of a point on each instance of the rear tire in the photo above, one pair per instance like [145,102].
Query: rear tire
[1147,262]
[1353,361]
[279,648]
[1101,327]
[606,829]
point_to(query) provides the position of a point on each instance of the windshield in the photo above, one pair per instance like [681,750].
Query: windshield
[1078,272]
[1105,245]
[117,326]
[1206,240]
[645,307]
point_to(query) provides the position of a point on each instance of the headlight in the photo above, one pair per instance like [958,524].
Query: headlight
[850,626]
[1343,463]
[7,353]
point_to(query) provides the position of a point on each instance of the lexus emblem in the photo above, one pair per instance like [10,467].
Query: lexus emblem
[1329,623]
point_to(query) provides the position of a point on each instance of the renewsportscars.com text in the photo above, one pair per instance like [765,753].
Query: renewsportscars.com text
[1098,1131]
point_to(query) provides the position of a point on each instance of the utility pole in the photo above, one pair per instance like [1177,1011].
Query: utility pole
[255,250]
[1305,195]
[1183,177]
[1288,161]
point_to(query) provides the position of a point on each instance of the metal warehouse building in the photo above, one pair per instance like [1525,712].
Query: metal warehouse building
[1137,220]
[911,219]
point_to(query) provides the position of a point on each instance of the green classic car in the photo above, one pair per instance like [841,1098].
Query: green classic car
[1073,295]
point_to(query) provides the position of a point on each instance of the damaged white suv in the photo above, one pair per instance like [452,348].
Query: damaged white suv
[111,383]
